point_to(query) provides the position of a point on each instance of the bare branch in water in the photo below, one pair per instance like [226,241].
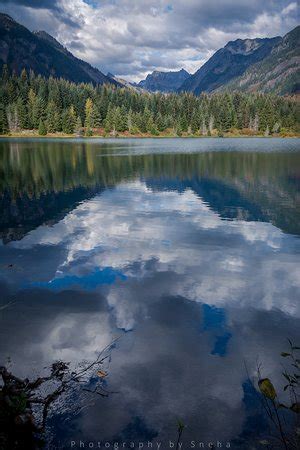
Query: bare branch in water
[19,396]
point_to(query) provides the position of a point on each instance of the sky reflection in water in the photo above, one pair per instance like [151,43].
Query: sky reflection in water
[193,258]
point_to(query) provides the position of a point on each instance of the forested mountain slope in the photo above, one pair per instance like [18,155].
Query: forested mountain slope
[40,52]
[279,72]
[228,63]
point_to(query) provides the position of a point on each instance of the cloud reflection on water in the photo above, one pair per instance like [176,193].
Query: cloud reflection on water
[216,261]
[192,295]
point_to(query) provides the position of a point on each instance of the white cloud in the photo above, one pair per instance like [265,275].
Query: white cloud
[132,38]
[217,261]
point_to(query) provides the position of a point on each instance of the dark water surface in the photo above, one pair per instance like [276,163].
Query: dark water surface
[188,249]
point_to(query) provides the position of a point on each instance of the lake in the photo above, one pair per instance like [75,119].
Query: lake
[184,250]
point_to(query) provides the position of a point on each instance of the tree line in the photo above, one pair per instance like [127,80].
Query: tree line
[49,105]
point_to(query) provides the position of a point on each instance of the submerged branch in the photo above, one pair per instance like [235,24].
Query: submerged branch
[20,427]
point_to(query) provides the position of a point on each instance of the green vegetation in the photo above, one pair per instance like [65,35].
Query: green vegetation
[282,430]
[29,102]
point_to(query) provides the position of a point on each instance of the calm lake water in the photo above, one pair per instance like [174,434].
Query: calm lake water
[186,249]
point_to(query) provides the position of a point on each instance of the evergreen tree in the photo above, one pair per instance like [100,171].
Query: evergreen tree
[88,123]
[195,123]
[78,126]
[3,120]
[183,123]
[42,128]
[5,74]
[95,117]
[120,119]
[160,123]
[28,100]
[51,117]
[211,124]
[203,128]
[110,123]
[146,121]
[12,117]
[68,120]
[276,127]
[130,126]
[267,131]
[22,113]
[31,108]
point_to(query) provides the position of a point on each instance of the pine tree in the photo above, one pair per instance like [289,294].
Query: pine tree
[51,117]
[22,113]
[5,73]
[203,128]
[88,123]
[211,124]
[256,123]
[58,121]
[150,127]
[12,117]
[28,100]
[95,117]
[183,123]
[130,121]
[3,120]
[31,107]
[68,120]
[78,126]
[145,120]
[160,122]
[110,123]
[24,87]
[39,112]
[42,128]
[120,119]
[276,128]
[194,125]
[226,114]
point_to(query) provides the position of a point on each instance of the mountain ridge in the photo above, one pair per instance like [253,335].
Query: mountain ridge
[159,81]
[38,51]
[279,72]
[227,63]
[247,65]
[124,83]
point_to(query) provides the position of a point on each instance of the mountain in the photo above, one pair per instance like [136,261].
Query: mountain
[20,48]
[164,81]
[228,63]
[124,83]
[279,72]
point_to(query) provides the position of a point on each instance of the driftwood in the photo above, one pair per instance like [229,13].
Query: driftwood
[19,427]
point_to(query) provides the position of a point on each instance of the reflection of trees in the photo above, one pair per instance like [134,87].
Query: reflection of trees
[40,172]
[57,166]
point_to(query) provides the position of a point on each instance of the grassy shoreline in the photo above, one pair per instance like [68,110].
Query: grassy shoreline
[127,135]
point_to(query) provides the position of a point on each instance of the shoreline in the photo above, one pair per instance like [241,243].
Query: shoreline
[143,136]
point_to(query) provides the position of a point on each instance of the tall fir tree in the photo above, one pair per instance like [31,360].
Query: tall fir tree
[42,128]
[69,120]
[3,120]
[88,122]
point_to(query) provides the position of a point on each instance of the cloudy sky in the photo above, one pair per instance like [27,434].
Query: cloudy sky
[131,38]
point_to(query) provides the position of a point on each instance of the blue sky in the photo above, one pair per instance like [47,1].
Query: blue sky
[131,38]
